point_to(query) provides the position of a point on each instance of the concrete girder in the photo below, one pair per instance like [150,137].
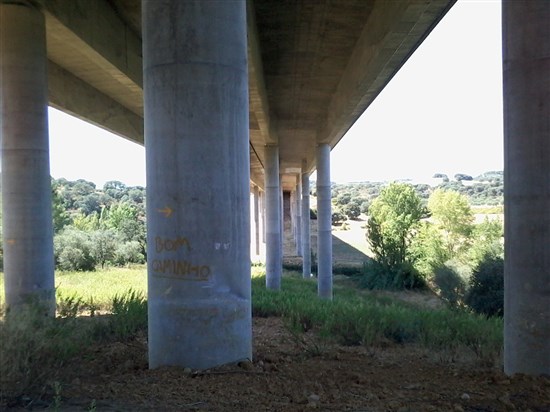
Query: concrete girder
[73,95]
[91,41]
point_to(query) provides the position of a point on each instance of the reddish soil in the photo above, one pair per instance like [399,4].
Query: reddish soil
[292,373]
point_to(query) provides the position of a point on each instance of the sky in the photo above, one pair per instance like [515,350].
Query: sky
[441,113]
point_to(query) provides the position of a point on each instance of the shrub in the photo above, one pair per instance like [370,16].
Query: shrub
[128,252]
[377,276]
[73,250]
[452,281]
[337,218]
[486,293]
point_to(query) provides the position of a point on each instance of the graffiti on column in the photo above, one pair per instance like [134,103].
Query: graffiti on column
[171,267]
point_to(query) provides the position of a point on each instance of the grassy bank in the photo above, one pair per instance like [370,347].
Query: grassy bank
[33,347]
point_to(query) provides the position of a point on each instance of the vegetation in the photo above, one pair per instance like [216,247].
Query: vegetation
[393,218]
[97,227]
[33,347]
[442,246]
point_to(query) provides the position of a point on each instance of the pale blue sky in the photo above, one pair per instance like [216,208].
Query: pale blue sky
[441,113]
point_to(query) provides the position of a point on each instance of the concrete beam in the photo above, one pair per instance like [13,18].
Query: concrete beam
[89,40]
[393,32]
[257,91]
[72,95]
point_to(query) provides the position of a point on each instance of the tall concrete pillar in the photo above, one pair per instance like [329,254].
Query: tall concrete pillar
[256,220]
[298,208]
[273,245]
[198,199]
[526,51]
[306,239]
[26,185]
[324,223]
[262,214]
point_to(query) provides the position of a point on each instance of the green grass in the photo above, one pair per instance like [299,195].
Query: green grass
[353,318]
[32,347]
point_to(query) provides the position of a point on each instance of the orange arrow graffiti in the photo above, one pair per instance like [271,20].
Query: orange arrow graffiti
[167,211]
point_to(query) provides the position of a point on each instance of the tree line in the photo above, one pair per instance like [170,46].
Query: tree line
[351,199]
[97,227]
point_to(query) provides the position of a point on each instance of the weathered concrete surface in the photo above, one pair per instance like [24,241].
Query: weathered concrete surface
[273,234]
[26,188]
[526,51]
[198,201]
[324,223]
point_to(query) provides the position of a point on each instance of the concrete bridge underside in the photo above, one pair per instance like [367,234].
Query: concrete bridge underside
[227,93]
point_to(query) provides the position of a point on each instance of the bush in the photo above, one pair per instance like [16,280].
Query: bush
[128,252]
[486,293]
[73,250]
[452,281]
[377,276]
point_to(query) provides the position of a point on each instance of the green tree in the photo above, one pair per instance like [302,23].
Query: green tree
[393,219]
[352,210]
[453,217]
[60,215]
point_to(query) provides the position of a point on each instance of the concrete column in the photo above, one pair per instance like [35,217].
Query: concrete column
[273,252]
[306,240]
[292,215]
[198,173]
[526,51]
[298,209]
[26,186]
[262,214]
[256,220]
[324,223]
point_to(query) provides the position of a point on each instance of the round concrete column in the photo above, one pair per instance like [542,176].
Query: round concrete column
[306,240]
[526,51]
[198,200]
[256,220]
[298,208]
[26,185]
[273,245]
[324,223]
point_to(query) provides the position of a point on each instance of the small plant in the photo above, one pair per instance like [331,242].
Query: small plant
[129,314]
[69,306]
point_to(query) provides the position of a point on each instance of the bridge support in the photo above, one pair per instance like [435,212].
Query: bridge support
[198,173]
[526,50]
[324,223]
[298,214]
[273,238]
[26,186]
[306,240]
[256,220]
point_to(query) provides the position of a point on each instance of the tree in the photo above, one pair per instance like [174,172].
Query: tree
[453,217]
[352,210]
[393,218]
[59,213]
[461,176]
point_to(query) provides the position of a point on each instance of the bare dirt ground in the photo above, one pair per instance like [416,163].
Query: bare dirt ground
[289,373]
